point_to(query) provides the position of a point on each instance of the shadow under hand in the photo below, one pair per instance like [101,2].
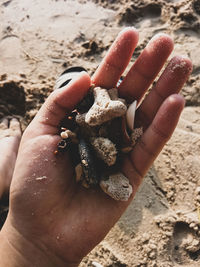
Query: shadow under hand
[149,201]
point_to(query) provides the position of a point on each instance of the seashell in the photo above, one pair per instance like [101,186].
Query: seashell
[96,135]
[126,140]
[86,102]
[63,145]
[96,264]
[88,163]
[68,134]
[74,153]
[113,131]
[68,122]
[67,76]
[64,135]
[119,82]
[130,115]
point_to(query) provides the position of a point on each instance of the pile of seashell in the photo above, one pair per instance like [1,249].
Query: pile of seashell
[97,134]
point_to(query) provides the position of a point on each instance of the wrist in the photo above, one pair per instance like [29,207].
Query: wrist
[16,250]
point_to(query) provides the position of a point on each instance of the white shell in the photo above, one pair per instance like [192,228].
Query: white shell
[130,115]
[64,77]
[64,135]
[96,264]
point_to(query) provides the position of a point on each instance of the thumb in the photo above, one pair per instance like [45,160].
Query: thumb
[59,102]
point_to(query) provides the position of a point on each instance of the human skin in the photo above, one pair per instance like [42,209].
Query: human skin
[10,136]
[54,221]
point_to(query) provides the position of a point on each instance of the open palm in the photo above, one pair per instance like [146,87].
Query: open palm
[48,208]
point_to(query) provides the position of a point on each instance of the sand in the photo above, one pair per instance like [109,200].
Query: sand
[40,39]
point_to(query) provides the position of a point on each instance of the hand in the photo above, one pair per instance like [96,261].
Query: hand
[56,220]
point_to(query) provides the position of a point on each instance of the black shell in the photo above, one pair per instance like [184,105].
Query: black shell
[88,163]
[74,154]
[114,128]
[69,122]
[63,145]
[86,102]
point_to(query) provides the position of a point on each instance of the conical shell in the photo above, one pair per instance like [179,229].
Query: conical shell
[130,115]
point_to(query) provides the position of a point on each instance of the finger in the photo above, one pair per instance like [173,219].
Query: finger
[146,67]
[4,124]
[170,82]
[15,126]
[59,103]
[155,137]
[117,58]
